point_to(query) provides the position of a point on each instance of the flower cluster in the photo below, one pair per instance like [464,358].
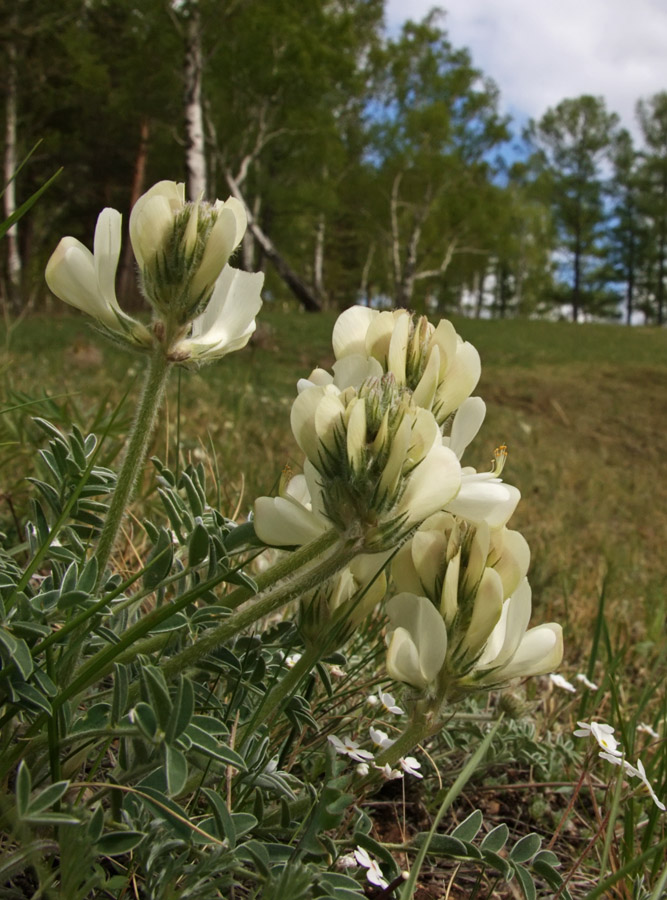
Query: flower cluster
[204,308]
[610,750]
[352,749]
[383,437]
[459,617]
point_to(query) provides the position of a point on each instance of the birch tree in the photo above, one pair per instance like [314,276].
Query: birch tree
[437,123]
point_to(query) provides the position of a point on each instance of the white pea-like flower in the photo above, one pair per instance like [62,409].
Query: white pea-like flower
[206,308]
[87,280]
[182,247]
[433,362]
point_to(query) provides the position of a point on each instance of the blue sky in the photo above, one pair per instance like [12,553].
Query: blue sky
[542,51]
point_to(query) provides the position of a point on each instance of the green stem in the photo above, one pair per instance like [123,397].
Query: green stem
[271,585]
[262,605]
[135,454]
[421,727]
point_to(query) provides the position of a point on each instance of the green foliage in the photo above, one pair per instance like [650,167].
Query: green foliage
[571,141]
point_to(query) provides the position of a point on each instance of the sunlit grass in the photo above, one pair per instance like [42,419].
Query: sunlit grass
[582,410]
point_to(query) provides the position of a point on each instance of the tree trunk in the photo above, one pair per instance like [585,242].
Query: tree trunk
[298,287]
[576,287]
[396,242]
[126,281]
[318,261]
[631,279]
[365,286]
[195,156]
[248,248]
[12,235]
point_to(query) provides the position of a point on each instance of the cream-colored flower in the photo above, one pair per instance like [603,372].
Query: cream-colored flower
[434,363]
[381,464]
[417,640]
[182,247]
[88,280]
[228,321]
[515,651]
[447,560]
[296,516]
[462,609]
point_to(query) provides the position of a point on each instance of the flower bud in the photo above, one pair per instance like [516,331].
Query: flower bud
[381,463]
[182,248]
[330,615]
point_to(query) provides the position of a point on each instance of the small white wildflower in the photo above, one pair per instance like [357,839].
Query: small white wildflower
[336,671]
[644,728]
[372,700]
[641,773]
[410,765]
[387,700]
[380,738]
[388,773]
[348,747]
[637,771]
[347,861]
[292,660]
[373,871]
[603,734]
[586,681]
[363,769]
[562,683]
[617,760]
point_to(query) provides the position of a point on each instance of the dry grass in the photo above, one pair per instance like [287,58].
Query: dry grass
[582,410]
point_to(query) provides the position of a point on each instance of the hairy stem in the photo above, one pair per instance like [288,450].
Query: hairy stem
[263,604]
[135,454]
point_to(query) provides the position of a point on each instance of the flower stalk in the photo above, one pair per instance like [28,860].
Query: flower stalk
[423,725]
[135,455]
[271,600]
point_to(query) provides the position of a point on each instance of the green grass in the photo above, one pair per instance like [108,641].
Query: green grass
[582,410]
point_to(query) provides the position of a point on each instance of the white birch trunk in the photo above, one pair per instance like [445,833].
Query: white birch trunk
[364,287]
[318,262]
[396,239]
[12,243]
[249,244]
[195,155]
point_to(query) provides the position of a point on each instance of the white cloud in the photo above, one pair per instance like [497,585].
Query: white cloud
[540,52]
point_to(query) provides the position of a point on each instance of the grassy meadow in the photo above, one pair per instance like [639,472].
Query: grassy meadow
[582,410]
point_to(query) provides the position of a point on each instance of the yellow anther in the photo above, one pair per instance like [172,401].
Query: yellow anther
[499,460]
[285,478]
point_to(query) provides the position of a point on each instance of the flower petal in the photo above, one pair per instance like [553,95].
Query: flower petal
[349,332]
